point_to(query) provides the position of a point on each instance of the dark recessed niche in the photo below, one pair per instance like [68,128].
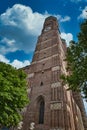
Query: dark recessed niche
[42,71]
[43,64]
[41,84]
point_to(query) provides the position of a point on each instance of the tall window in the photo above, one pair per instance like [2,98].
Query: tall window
[41,112]
[41,84]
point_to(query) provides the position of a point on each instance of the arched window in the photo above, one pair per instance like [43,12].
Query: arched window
[41,112]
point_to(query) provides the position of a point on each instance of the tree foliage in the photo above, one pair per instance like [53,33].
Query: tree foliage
[77,62]
[13,94]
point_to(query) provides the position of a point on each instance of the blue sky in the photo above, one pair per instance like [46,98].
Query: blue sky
[21,22]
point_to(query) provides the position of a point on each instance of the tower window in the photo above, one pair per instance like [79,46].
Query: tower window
[41,112]
[41,84]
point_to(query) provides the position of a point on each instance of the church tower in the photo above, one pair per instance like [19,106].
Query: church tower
[51,106]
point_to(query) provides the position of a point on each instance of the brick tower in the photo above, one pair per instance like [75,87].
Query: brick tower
[51,106]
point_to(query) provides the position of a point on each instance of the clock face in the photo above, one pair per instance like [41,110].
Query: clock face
[47,28]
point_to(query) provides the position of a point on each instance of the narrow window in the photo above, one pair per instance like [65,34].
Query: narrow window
[41,84]
[41,112]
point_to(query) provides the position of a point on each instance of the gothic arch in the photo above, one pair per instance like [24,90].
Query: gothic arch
[41,109]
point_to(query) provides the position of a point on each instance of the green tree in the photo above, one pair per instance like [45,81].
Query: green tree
[76,58]
[13,95]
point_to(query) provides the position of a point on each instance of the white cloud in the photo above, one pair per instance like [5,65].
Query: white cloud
[83,15]
[66,18]
[67,36]
[3,59]
[20,26]
[7,45]
[7,41]
[19,64]
[16,63]
[62,19]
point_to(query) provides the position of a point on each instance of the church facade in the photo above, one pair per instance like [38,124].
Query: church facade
[51,106]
